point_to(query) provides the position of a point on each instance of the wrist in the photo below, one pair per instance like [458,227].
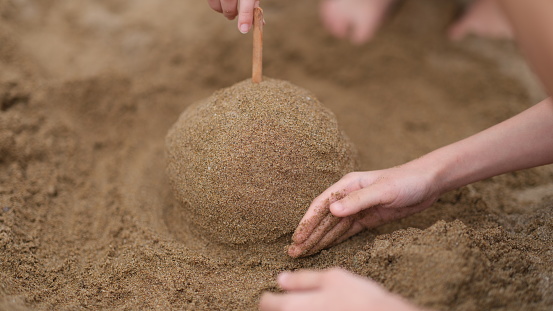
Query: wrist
[433,171]
[454,166]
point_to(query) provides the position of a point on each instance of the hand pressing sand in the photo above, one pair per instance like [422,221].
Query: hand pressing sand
[362,200]
[370,199]
[246,162]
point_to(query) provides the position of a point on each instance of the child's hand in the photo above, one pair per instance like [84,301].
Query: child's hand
[362,200]
[355,20]
[333,289]
[231,8]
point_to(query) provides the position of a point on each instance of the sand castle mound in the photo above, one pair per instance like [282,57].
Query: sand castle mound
[247,161]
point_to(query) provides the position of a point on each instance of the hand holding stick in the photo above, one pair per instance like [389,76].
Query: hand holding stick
[257,58]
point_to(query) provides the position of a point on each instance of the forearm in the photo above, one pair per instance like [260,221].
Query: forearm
[524,141]
[532,22]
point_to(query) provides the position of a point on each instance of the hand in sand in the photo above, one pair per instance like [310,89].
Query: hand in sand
[333,289]
[484,18]
[232,8]
[356,20]
[369,199]
[362,200]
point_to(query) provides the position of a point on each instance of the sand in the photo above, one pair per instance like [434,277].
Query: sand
[246,162]
[89,90]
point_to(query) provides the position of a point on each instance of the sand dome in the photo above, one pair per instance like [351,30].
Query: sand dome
[246,162]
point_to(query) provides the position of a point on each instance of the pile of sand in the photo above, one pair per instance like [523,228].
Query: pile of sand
[246,162]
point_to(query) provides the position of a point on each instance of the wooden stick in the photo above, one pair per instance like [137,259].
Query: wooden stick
[257,58]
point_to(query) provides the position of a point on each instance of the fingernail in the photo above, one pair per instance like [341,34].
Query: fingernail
[282,277]
[244,28]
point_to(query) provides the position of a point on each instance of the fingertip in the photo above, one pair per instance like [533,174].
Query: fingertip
[359,36]
[300,280]
[360,40]
[364,32]
[339,28]
[265,295]
[338,209]
[245,20]
[299,235]
[229,10]
[244,28]
[294,251]
[283,277]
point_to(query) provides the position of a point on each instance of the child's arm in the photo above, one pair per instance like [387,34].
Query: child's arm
[374,198]
[231,8]
[524,141]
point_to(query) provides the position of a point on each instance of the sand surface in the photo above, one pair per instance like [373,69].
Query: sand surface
[89,89]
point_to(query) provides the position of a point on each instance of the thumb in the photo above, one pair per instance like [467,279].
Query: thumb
[362,199]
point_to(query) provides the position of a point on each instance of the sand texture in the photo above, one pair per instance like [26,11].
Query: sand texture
[246,162]
[89,90]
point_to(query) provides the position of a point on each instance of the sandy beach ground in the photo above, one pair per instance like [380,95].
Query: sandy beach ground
[89,89]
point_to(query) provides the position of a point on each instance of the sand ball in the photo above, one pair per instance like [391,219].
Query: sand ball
[246,162]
